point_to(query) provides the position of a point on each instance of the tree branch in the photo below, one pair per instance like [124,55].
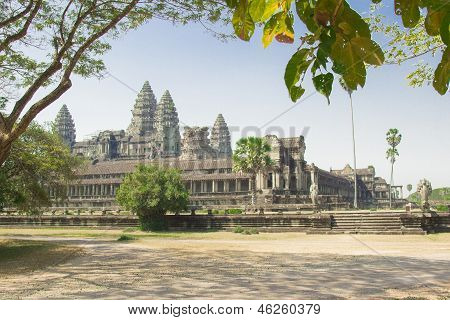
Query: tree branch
[416,55]
[48,73]
[65,82]
[23,32]
[16,17]
[61,24]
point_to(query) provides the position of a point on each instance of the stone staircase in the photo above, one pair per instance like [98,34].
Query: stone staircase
[374,223]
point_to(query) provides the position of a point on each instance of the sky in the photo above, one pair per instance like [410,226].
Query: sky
[245,83]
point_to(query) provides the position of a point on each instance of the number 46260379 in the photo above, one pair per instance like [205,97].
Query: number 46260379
[307,308]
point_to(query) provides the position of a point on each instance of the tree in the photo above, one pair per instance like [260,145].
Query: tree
[150,192]
[355,187]
[404,45]
[252,156]
[338,40]
[70,37]
[38,160]
[393,139]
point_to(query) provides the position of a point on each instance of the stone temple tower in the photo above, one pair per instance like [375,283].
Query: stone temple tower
[220,138]
[167,129]
[142,122]
[65,126]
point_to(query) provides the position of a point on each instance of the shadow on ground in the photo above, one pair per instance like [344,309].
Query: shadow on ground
[110,270]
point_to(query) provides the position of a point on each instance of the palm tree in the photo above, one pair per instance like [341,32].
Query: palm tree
[252,156]
[349,91]
[393,139]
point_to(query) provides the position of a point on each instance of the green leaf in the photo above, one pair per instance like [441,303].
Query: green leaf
[271,28]
[257,9]
[296,93]
[433,21]
[346,56]
[409,11]
[351,23]
[296,67]
[305,11]
[271,7]
[285,32]
[232,3]
[445,29]
[324,84]
[326,11]
[368,50]
[243,24]
[442,74]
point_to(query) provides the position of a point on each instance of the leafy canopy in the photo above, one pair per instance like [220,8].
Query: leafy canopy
[338,41]
[153,191]
[38,160]
[393,138]
[252,155]
[408,44]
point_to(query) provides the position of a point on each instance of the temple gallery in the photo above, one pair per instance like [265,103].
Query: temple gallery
[205,159]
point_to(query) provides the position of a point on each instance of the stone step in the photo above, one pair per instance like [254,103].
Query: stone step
[381,232]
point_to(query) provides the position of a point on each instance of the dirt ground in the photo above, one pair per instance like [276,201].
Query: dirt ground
[223,265]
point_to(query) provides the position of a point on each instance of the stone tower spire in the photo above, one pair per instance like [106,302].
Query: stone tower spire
[167,129]
[142,122]
[65,126]
[220,138]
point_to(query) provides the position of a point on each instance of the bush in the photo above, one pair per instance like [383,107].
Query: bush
[234,211]
[253,231]
[238,229]
[152,223]
[442,208]
[150,192]
[126,237]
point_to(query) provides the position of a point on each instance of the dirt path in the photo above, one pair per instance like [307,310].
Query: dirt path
[300,267]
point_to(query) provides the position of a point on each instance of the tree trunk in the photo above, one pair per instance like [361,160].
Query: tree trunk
[4,152]
[253,188]
[355,196]
[391,183]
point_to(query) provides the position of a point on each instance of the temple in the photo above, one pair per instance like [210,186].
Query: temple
[205,160]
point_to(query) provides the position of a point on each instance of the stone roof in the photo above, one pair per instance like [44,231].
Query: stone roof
[348,170]
[186,177]
[128,166]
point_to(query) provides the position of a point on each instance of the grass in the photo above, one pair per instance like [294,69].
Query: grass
[247,231]
[22,256]
[126,237]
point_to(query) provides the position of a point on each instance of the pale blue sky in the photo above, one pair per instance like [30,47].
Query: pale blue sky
[245,83]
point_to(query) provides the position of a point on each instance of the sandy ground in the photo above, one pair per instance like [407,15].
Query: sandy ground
[233,266]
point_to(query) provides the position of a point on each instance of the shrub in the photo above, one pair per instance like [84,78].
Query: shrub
[238,229]
[150,192]
[126,237]
[442,208]
[253,231]
[234,211]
